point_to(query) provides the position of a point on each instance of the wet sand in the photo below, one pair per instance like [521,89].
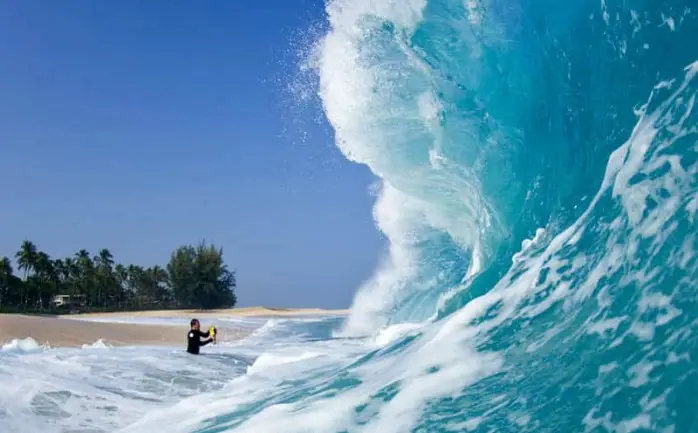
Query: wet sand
[64,332]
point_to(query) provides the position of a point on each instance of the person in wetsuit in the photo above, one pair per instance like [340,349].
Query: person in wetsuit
[194,341]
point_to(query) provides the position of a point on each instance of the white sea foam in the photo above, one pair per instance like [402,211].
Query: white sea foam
[274,359]
[99,344]
[22,345]
[392,333]
[103,389]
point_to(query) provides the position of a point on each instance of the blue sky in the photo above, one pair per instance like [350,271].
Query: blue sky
[141,126]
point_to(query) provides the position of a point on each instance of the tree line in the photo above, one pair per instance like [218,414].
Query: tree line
[195,277]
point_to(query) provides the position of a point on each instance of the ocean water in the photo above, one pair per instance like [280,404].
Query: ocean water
[538,183]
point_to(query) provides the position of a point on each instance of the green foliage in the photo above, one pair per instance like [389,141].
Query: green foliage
[199,278]
[195,277]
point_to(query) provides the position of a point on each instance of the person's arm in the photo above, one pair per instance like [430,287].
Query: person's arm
[205,342]
[205,334]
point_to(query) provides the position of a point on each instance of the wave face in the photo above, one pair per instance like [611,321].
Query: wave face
[488,120]
[539,170]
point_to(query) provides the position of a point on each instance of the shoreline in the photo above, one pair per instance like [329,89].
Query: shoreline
[60,331]
[231,312]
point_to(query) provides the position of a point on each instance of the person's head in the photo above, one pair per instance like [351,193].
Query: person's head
[194,324]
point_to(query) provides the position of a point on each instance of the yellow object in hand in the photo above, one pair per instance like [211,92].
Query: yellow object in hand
[212,331]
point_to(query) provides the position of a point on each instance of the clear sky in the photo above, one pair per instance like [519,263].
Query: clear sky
[140,126]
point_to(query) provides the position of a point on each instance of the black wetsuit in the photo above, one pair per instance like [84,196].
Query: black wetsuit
[194,340]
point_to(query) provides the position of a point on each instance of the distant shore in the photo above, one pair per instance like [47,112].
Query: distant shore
[61,331]
[241,312]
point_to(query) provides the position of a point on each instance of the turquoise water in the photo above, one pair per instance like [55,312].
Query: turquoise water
[538,164]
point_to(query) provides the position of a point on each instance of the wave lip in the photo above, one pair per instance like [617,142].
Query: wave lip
[392,99]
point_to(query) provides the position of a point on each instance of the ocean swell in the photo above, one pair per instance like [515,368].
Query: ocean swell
[484,121]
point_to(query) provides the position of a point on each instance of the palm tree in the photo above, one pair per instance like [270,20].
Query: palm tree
[26,261]
[45,275]
[105,262]
[70,273]
[121,275]
[157,277]
[106,258]
[61,273]
[138,282]
[5,274]
[86,274]
[83,259]
[26,257]
[5,265]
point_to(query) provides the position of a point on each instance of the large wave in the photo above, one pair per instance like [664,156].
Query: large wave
[484,121]
[539,169]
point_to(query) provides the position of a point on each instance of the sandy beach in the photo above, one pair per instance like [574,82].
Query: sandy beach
[240,312]
[63,332]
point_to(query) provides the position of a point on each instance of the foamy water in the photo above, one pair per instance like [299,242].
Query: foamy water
[99,388]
